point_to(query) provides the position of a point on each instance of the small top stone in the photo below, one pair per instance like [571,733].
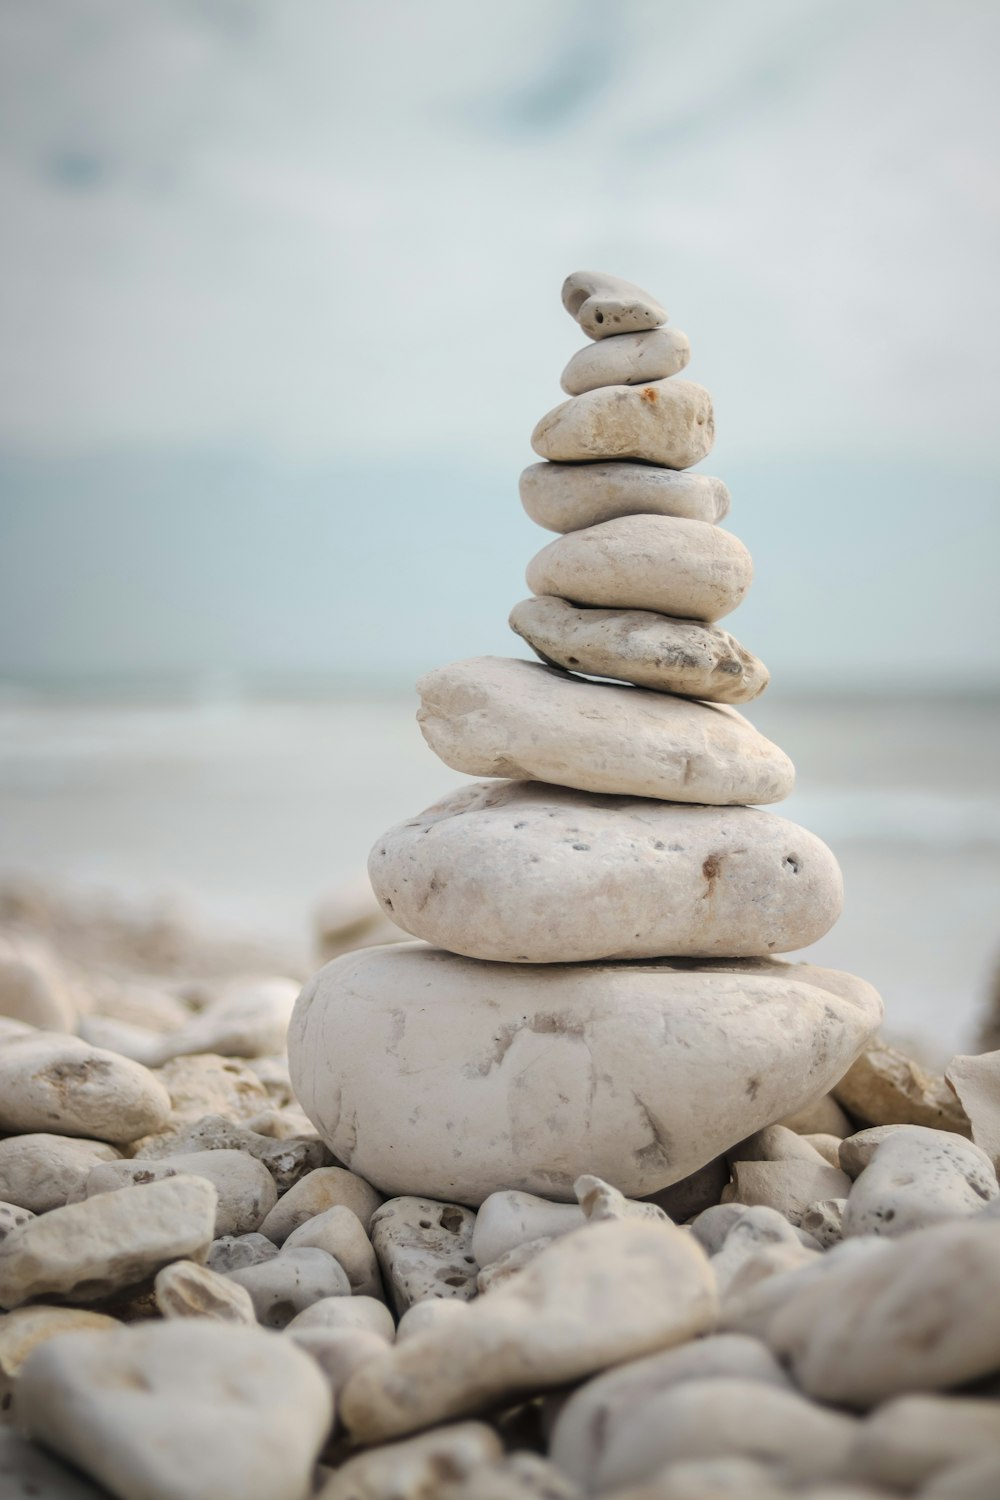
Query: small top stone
[604,305]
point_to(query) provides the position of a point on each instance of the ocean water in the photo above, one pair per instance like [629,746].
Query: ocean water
[247,811]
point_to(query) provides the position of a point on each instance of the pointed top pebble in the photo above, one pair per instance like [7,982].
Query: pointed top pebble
[604,305]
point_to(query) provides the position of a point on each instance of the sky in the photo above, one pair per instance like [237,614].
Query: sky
[279,308]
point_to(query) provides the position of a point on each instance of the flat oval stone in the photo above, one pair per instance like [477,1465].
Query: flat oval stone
[638,646]
[437,1075]
[53,1082]
[529,873]
[567,497]
[629,359]
[667,422]
[493,716]
[662,563]
[605,305]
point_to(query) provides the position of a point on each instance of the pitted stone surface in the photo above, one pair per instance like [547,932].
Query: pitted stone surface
[667,422]
[606,305]
[425,1250]
[638,646]
[909,1176]
[526,872]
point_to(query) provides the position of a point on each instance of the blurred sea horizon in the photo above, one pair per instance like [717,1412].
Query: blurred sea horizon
[245,799]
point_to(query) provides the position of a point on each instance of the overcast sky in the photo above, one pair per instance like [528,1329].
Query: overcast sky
[279,306]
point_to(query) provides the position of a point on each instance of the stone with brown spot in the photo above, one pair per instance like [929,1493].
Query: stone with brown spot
[526,872]
[52,1082]
[669,422]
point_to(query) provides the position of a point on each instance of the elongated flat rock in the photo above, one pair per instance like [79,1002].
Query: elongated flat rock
[667,422]
[493,716]
[91,1249]
[605,305]
[567,497]
[687,569]
[529,873]
[437,1075]
[629,359]
[638,646]
[570,1312]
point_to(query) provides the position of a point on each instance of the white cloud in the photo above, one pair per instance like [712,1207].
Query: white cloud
[330,229]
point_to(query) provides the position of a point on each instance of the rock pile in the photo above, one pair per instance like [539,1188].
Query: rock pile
[597,989]
[636,1248]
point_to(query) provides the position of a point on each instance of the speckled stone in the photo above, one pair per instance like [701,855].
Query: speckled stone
[526,872]
[667,422]
[638,646]
[606,305]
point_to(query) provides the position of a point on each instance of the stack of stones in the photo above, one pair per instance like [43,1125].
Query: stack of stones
[596,989]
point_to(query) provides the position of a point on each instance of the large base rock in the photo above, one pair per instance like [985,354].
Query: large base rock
[450,1078]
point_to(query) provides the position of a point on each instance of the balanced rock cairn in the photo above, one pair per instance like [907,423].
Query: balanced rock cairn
[626,1228]
[596,990]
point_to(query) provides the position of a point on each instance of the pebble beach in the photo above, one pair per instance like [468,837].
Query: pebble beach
[585,1151]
